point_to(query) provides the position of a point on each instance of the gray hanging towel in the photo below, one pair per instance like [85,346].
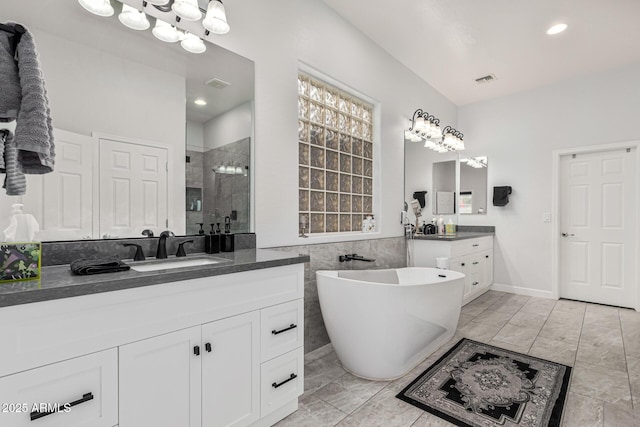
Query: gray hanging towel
[24,98]
[14,181]
[501,195]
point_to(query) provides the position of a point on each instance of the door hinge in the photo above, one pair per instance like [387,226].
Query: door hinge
[166,222]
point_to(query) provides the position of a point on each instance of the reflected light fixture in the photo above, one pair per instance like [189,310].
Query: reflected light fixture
[216,18]
[192,43]
[187,9]
[158,2]
[98,7]
[556,29]
[133,18]
[166,32]
[200,102]
[425,127]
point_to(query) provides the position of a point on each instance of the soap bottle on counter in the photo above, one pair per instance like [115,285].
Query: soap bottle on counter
[450,228]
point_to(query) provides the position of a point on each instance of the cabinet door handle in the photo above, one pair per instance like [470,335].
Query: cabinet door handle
[291,377]
[475,283]
[207,347]
[85,398]
[486,256]
[476,245]
[196,350]
[291,326]
[475,262]
[462,264]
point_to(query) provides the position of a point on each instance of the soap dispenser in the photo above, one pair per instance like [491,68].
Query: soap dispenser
[212,242]
[227,242]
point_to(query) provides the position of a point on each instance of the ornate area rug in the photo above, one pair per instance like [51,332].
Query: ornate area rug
[479,385]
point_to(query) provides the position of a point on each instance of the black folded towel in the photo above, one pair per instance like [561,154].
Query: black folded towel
[501,195]
[98,266]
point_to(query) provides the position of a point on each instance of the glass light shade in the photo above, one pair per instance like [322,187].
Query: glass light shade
[165,32]
[187,9]
[222,169]
[133,18]
[238,170]
[437,132]
[192,43]
[98,7]
[419,126]
[429,144]
[415,138]
[448,139]
[216,18]
[158,2]
[408,135]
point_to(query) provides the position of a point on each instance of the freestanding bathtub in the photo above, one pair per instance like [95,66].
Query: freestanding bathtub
[382,323]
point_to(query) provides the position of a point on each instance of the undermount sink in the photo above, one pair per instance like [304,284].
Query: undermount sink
[171,264]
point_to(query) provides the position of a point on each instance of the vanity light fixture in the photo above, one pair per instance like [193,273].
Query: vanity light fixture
[201,102]
[98,7]
[166,32]
[427,127]
[216,18]
[476,162]
[187,9]
[557,29]
[133,18]
[192,43]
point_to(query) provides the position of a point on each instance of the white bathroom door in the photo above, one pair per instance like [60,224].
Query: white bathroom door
[598,227]
[133,189]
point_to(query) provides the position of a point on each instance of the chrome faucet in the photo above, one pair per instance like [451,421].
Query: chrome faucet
[354,257]
[161,252]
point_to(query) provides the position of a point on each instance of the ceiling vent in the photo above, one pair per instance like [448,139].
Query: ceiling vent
[217,83]
[486,79]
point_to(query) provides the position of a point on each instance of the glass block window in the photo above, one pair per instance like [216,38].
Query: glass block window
[335,146]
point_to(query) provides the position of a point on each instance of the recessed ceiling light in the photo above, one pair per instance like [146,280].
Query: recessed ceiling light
[558,28]
[200,101]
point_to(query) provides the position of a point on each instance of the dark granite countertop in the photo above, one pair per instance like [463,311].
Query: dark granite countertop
[58,281]
[460,235]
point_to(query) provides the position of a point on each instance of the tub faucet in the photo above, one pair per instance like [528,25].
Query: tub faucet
[161,252]
[354,257]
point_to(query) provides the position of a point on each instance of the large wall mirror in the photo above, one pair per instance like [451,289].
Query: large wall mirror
[444,187]
[473,185]
[133,150]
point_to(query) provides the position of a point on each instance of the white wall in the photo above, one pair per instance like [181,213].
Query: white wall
[228,127]
[195,136]
[518,134]
[94,91]
[277,35]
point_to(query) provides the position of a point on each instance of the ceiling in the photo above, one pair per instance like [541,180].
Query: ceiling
[450,43]
[73,23]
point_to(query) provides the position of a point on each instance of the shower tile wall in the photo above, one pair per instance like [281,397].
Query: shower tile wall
[194,173]
[388,253]
[223,193]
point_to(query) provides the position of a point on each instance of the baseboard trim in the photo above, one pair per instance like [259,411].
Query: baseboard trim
[522,291]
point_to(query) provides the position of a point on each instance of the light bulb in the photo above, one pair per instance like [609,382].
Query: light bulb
[98,7]
[216,18]
[556,29]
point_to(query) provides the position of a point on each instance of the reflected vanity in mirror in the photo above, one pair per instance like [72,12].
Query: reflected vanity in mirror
[473,185]
[133,150]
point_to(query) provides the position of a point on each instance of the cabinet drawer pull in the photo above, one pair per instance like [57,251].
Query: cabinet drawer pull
[475,283]
[486,256]
[291,377]
[207,347]
[476,245]
[462,264]
[196,350]
[85,398]
[475,262]
[291,326]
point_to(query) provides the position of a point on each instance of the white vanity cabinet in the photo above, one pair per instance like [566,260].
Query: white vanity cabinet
[217,351]
[209,372]
[473,257]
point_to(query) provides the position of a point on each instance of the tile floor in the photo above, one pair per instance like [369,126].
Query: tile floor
[601,343]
